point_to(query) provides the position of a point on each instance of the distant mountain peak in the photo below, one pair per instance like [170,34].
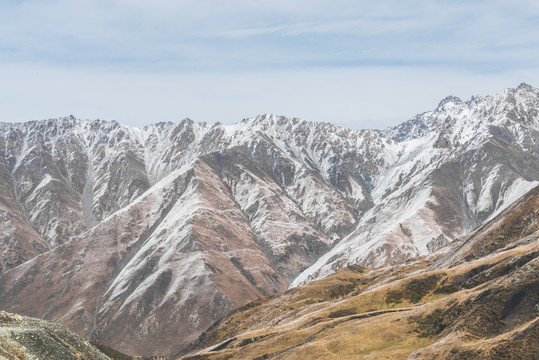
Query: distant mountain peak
[157,225]
[525,86]
[449,99]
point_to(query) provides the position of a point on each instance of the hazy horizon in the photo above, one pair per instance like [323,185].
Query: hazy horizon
[352,63]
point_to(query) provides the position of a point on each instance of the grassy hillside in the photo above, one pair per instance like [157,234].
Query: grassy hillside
[484,309]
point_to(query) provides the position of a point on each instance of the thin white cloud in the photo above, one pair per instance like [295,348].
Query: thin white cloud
[188,32]
[212,60]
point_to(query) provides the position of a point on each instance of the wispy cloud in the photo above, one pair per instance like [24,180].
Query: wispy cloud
[186,40]
[186,33]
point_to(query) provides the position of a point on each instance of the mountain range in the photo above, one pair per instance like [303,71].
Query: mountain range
[478,301]
[140,239]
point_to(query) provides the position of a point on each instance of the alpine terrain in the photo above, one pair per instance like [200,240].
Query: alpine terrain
[27,338]
[483,306]
[141,239]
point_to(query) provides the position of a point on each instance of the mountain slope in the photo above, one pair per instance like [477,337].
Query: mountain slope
[458,167]
[153,234]
[155,254]
[481,309]
[516,222]
[210,234]
[26,338]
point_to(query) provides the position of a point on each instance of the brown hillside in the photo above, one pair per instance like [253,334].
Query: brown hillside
[484,307]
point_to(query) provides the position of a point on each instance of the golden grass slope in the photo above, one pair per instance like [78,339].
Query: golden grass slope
[484,309]
[480,301]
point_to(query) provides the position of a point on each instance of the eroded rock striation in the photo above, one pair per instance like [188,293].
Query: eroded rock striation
[153,234]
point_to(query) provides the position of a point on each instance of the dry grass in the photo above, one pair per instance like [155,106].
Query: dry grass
[388,313]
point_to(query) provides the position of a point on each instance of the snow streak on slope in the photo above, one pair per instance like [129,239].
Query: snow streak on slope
[160,231]
[458,166]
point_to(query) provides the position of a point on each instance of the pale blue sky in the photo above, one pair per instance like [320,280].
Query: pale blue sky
[360,64]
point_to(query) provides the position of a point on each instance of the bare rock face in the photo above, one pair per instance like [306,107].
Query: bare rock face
[141,238]
[431,189]
[517,222]
[180,223]
[437,243]
[442,143]
[19,242]
[67,175]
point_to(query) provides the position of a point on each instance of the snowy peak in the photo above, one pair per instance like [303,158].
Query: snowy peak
[477,114]
[450,101]
[271,199]
[526,87]
[458,166]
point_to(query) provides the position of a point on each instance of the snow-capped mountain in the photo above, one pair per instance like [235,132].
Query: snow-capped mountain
[162,230]
[457,166]
[152,234]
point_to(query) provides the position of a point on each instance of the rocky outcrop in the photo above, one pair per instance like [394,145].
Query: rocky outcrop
[26,338]
[442,143]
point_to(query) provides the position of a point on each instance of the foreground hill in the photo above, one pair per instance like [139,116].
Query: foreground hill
[140,239]
[483,308]
[26,338]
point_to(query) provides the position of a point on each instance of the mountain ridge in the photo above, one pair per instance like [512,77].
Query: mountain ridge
[482,307]
[239,211]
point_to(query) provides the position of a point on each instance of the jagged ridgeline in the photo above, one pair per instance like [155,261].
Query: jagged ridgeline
[466,304]
[140,239]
